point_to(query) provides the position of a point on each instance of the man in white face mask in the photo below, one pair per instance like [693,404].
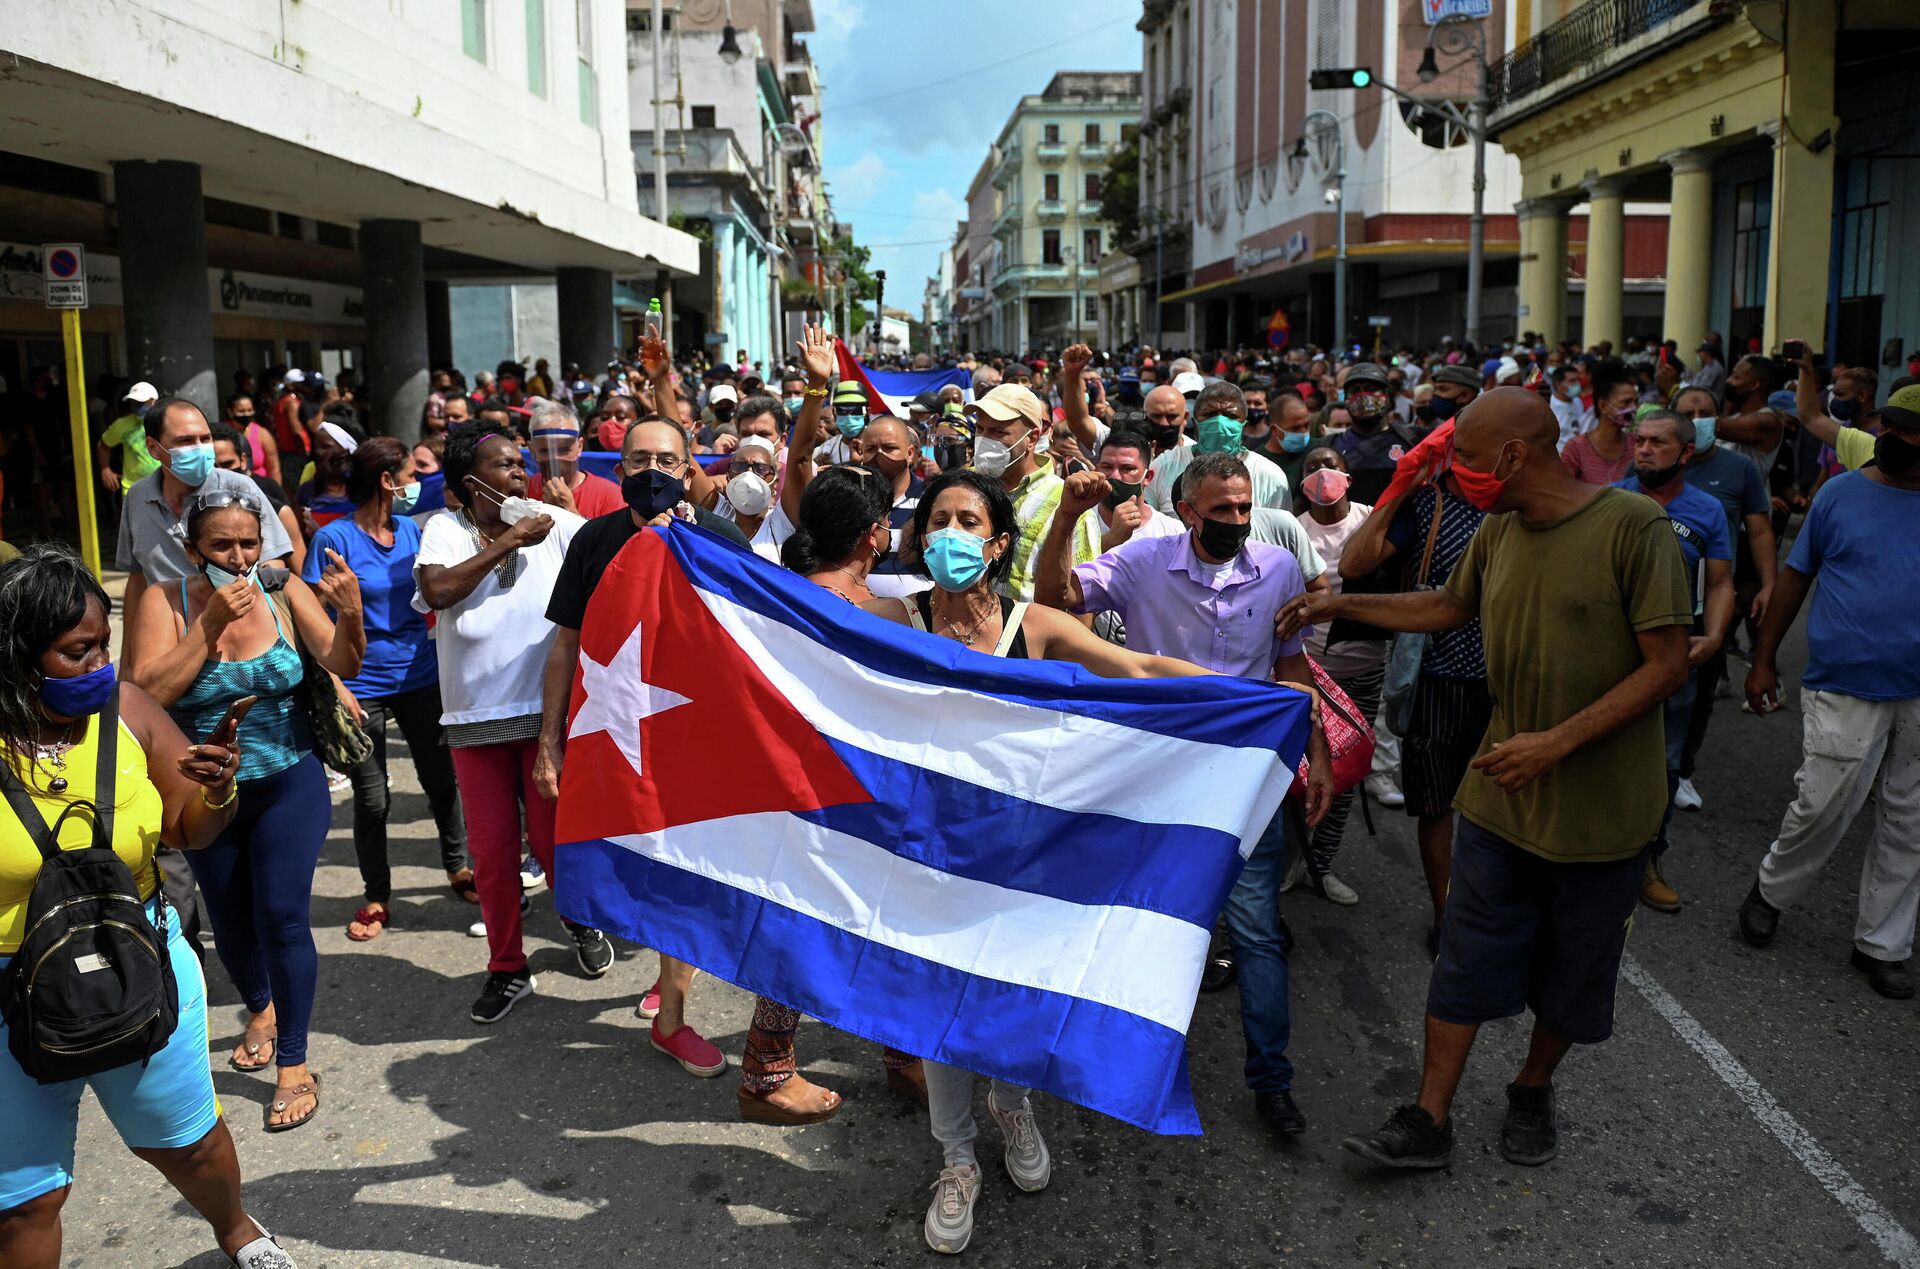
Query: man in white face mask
[1011,431]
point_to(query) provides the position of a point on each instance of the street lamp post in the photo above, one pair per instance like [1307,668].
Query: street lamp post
[660,211]
[1454,35]
[1326,121]
[1072,256]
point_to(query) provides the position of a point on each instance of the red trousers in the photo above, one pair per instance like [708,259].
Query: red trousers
[496,782]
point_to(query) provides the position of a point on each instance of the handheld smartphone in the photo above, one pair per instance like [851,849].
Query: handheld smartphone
[228,729]
[1794,349]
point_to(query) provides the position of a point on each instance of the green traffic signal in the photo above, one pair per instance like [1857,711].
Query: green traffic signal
[1341,77]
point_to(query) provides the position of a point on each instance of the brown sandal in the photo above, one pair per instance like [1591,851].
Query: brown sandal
[253,1051]
[370,915]
[756,1109]
[462,884]
[909,1082]
[285,1098]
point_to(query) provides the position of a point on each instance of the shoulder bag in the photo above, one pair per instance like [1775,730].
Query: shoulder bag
[337,737]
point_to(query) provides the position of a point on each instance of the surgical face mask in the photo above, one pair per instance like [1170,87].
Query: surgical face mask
[1703,433]
[850,425]
[992,458]
[80,695]
[512,508]
[1219,434]
[404,497]
[219,577]
[793,405]
[1296,442]
[749,493]
[955,559]
[191,463]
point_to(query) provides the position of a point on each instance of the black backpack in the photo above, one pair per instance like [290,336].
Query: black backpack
[92,986]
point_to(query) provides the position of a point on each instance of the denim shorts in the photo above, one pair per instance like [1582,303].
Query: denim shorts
[166,1103]
[1524,932]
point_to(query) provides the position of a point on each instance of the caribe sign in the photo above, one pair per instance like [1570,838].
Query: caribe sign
[1436,10]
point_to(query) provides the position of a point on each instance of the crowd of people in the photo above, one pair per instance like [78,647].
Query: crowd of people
[1514,580]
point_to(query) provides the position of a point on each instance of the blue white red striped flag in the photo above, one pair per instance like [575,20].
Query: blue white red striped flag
[1010,866]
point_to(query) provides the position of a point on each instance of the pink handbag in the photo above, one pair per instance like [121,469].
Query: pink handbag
[1349,736]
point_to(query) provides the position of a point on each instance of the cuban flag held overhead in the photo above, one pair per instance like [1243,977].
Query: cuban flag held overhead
[1010,866]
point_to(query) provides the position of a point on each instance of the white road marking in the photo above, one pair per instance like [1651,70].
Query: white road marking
[1895,1243]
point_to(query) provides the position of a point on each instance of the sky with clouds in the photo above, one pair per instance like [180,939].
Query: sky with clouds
[916,90]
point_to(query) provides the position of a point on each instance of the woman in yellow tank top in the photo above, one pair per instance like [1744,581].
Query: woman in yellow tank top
[56,675]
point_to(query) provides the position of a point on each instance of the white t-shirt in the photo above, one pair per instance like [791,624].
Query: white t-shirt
[493,644]
[772,534]
[1347,657]
[1574,417]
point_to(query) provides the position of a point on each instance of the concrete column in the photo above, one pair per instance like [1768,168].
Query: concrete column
[586,316]
[1606,262]
[396,304]
[439,325]
[163,270]
[1690,246]
[1797,253]
[1543,266]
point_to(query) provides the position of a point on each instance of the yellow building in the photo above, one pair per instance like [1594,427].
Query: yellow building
[1049,161]
[1781,198]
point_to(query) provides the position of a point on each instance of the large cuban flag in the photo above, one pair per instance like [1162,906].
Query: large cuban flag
[1010,866]
[892,390]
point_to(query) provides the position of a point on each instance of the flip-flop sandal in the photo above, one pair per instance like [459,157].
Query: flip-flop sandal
[286,1097]
[253,1051]
[462,885]
[370,915]
[756,1109]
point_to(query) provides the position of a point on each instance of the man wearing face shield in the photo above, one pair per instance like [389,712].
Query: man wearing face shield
[1375,442]
[555,442]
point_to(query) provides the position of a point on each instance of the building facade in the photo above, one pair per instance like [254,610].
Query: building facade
[1785,192]
[740,124]
[309,184]
[1237,167]
[1048,164]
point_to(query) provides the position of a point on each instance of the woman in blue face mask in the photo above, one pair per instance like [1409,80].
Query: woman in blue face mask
[59,705]
[203,644]
[965,527]
[399,680]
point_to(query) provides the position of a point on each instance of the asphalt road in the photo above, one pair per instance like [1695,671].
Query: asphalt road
[1753,1108]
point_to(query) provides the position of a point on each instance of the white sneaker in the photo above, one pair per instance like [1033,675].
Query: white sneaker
[1295,875]
[263,1253]
[1334,890]
[1686,797]
[949,1223]
[1381,788]
[1028,1162]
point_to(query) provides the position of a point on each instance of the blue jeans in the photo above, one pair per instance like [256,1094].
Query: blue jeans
[1261,940]
[1675,716]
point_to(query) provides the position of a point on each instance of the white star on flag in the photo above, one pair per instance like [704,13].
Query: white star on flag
[618,699]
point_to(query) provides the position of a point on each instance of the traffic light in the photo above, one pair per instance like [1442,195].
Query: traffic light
[1342,77]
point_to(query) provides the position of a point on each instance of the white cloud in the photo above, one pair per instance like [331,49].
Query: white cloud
[835,20]
[939,203]
[857,183]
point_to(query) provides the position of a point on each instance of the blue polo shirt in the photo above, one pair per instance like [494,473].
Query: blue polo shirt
[1700,526]
[1734,481]
[400,657]
[1863,638]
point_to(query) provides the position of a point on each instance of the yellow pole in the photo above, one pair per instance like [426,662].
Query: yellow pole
[82,441]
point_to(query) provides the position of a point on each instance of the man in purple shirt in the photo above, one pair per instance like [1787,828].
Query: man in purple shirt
[1210,596]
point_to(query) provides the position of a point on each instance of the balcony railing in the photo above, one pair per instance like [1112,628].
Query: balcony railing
[1051,151]
[1584,39]
[1049,209]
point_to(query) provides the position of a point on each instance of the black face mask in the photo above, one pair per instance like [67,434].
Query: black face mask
[1222,540]
[1163,435]
[1121,491]
[652,492]
[1436,410]
[1896,455]
[723,411]
[1659,479]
